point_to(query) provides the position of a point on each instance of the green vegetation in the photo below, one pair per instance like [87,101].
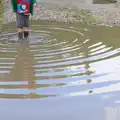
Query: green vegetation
[1,12]
[82,16]
[103,1]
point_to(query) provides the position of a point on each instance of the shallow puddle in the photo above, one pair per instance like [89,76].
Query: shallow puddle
[60,60]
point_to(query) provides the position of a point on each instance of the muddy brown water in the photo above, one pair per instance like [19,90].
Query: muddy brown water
[67,65]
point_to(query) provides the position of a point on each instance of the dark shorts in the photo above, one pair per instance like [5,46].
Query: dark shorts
[22,20]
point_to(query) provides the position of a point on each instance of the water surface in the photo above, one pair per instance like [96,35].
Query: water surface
[76,62]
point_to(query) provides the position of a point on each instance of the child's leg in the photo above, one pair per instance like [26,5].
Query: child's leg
[20,24]
[26,26]
[20,33]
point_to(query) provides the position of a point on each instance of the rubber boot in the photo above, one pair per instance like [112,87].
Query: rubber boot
[20,36]
[26,34]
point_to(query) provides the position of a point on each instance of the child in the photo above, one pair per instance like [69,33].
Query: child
[23,9]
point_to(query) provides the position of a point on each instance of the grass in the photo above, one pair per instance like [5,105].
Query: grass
[1,12]
[83,16]
[103,1]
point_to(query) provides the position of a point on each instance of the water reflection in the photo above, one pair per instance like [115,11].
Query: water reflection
[60,60]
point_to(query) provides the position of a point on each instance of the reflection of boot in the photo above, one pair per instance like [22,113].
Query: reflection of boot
[26,34]
[20,36]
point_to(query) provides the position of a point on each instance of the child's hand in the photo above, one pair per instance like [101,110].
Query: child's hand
[35,5]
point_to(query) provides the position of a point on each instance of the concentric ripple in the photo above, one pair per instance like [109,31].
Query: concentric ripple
[58,60]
